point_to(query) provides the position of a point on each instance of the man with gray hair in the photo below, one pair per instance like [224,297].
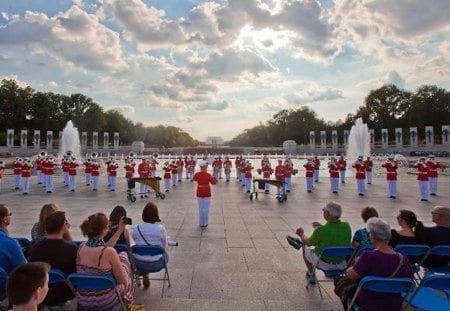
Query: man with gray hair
[334,233]
[438,235]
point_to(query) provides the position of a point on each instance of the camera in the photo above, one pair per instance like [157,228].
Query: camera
[127,221]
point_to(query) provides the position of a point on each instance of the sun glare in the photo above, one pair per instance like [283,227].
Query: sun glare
[266,38]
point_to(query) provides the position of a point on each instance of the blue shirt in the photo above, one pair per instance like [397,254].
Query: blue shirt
[11,254]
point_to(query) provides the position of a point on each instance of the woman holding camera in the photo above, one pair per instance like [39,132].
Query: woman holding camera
[118,234]
[150,232]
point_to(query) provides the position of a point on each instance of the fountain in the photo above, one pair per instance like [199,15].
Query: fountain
[70,141]
[358,142]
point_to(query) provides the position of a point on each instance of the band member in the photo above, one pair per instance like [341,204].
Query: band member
[73,167]
[333,169]
[108,170]
[342,168]
[26,175]
[220,165]
[279,175]
[289,167]
[368,163]
[215,166]
[316,163]
[65,165]
[167,169]
[49,166]
[227,165]
[95,173]
[174,171]
[17,165]
[144,172]
[309,174]
[38,163]
[204,179]
[391,167]
[114,166]
[248,176]
[153,164]
[432,174]
[87,171]
[237,165]
[180,165]
[2,168]
[422,178]
[190,169]
[129,169]
[360,175]
[267,171]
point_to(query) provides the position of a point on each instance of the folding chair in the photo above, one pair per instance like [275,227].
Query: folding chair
[442,251]
[57,277]
[414,250]
[24,243]
[94,283]
[378,284]
[432,293]
[345,252]
[144,267]
[360,250]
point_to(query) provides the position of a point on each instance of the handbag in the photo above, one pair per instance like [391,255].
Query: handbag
[136,307]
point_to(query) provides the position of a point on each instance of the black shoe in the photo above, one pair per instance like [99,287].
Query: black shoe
[392,197]
[335,192]
[432,193]
[361,194]
[425,200]
[309,190]
[294,242]
[72,190]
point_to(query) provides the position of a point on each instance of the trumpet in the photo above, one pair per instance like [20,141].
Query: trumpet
[2,163]
[94,155]
[69,153]
[132,155]
[43,154]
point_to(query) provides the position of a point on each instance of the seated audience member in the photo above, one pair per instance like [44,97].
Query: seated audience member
[383,261]
[410,232]
[95,258]
[438,235]
[38,229]
[361,236]
[334,233]
[28,286]
[117,234]
[58,253]
[11,254]
[151,232]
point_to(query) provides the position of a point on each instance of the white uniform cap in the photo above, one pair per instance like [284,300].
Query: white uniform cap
[202,163]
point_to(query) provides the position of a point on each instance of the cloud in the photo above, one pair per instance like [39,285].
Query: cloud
[14,78]
[213,106]
[395,78]
[126,110]
[74,38]
[314,93]
[52,83]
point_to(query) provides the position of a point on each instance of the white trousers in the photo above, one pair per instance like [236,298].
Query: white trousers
[433,181]
[309,183]
[392,188]
[288,181]
[334,182]
[361,183]
[88,179]
[248,183]
[49,183]
[369,177]
[342,175]
[143,188]
[174,179]
[227,176]
[316,175]
[26,184]
[113,182]
[17,181]
[39,176]
[203,210]
[72,182]
[220,173]
[66,178]
[94,182]
[423,189]
[166,184]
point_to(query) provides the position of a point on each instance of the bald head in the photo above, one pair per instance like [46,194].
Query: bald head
[441,215]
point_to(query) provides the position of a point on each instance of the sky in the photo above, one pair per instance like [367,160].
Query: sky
[216,68]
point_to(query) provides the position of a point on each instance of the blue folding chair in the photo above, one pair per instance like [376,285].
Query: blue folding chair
[432,293]
[80,281]
[144,267]
[24,243]
[441,251]
[360,250]
[414,250]
[345,252]
[393,285]
[3,281]
[58,278]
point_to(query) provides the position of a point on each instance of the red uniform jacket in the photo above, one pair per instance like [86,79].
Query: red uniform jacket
[334,170]
[73,168]
[360,170]
[422,171]
[432,168]
[391,170]
[368,164]
[203,180]
[342,164]
[279,172]
[316,163]
[95,167]
[26,170]
[129,171]
[143,169]
[309,169]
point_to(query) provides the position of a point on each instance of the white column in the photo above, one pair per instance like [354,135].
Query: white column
[49,140]
[94,140]
[334,139]
[323,139]
[446,135]
[413,136]
[429,135]
[23,138]
[312,139]
[84,139]
[105,140]
[116,140]
[37,139]
[10,138]
[346,135]
[384,138]
[398,138]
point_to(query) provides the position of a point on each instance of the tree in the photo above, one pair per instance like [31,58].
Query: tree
[14,105]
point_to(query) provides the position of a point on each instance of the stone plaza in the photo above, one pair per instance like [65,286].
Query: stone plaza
[242,260]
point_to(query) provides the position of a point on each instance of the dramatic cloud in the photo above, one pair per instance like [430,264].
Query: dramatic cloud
[313,93]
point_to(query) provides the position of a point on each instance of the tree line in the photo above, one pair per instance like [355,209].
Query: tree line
[23,108]
[386,107]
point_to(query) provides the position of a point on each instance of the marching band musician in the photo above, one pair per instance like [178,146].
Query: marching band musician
[203,179]
[108,170]
[289,167]
[26,175]
[220,163]
[237,165]
[432,174]
[49,167]
[215,166]
[65,165]
[87,171]
[174,171]
[113,174]
[267,171]
[422,178]
[153,164]
[279,175]
[368,163]
[95,173]
[309,174]
[342,168]
[38,162]
[2,168]
[180,165]
[186,165]
[167,169]
[360,175]
[143,172]
[333,169]
[17,165]
[227,165]
[243,165]
[191,168]
[391,167]
[73,167]
[316,163]
[129,169]
[248,176]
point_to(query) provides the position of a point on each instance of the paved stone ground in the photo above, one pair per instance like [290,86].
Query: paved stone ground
[242,260]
